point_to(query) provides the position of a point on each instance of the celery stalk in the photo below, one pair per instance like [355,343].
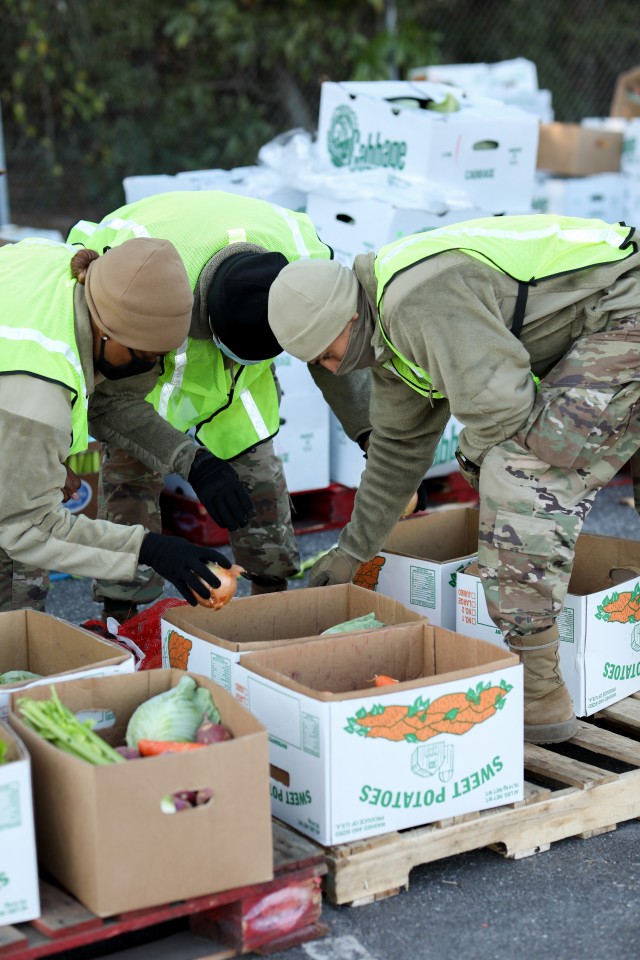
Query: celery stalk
[60,726]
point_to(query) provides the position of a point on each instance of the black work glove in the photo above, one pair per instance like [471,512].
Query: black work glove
[183,563]
[220,491]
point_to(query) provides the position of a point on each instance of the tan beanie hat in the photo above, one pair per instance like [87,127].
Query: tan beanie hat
[310,304]
[139,294]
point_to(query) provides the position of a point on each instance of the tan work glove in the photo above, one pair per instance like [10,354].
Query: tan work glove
[337,566]
[469,470]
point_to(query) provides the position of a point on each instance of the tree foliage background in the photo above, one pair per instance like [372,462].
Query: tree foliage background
[92,92]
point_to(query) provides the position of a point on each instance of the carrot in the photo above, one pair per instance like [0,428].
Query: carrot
[382,680]
[154,748]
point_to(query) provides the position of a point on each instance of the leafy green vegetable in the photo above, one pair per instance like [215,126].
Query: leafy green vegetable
[3,752]
[173,715]
[17,676]
[56,723]
[366,622]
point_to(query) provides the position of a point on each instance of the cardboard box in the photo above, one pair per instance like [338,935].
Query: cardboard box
[599,656]
[334,782]
[87,466]
[600,197]
[302,443]
[19,891]
[484,154]
[346,461]
[351,227]
[53,648]
[572,150]
[626,95]
[419,563]
[210,642]
[101,831]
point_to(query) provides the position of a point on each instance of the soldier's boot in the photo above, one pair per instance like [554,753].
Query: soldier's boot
[120,610]
[548,709]
[269,585]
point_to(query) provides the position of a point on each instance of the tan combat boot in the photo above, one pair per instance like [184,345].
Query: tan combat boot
[548,708]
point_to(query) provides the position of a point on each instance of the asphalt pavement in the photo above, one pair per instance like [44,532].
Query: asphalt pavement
[576,901]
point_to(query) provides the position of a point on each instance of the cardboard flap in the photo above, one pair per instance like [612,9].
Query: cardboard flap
[346,665]
[290,615]
[598,560]
[445,535]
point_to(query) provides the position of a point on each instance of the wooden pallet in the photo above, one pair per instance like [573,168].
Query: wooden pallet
[578,789]
[260,918]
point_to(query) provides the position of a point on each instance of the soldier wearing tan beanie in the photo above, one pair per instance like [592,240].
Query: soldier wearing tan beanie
[139,295]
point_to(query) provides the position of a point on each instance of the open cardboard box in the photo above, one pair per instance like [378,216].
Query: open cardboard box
[43,644]
[210,641]
[101,831]
[19,891]
[351,760]
[419,562]
[599,646]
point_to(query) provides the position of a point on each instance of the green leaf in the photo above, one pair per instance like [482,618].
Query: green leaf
[452,714]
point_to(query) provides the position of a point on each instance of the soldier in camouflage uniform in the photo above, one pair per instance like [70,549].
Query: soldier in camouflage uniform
[527,330]
[219,386]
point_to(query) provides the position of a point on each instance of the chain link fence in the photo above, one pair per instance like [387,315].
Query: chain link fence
[65,161]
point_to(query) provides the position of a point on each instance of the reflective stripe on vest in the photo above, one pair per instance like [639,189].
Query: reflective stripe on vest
[528,248]
[37,325]
[195,388]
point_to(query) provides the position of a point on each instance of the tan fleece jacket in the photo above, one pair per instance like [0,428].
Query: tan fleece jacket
[35,427]
[451,315]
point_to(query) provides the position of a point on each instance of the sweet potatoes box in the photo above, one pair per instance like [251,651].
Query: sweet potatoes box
[351,760]
[102,831]
[599,624]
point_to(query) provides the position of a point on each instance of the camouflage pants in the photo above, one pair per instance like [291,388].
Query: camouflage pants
[537,488]
[21,587]
[130,493]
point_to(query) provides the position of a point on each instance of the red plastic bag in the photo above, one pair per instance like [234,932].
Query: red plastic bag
[143,630]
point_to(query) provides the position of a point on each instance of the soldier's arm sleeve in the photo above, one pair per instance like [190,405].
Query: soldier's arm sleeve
[120,415]
[406,431]
[35,527]
[348,396]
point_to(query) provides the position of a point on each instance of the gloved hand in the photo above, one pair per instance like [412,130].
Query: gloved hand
[183,563]
[469,470]
[220,491]
[337,566]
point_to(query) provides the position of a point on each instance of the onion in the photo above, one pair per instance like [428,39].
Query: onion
[219,596]
[411,506]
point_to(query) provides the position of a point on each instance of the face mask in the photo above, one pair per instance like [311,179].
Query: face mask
[113,371]
[229,353]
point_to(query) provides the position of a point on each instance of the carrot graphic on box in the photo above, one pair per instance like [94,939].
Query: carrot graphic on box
[367,574]
[178,648]
[454,713]
[620,607]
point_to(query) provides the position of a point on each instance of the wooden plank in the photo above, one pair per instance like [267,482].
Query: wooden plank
[180,946]
[362,870]
[291,850]
[61,913]
[625,713]
[11,940]
[607,743]
[561,769]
